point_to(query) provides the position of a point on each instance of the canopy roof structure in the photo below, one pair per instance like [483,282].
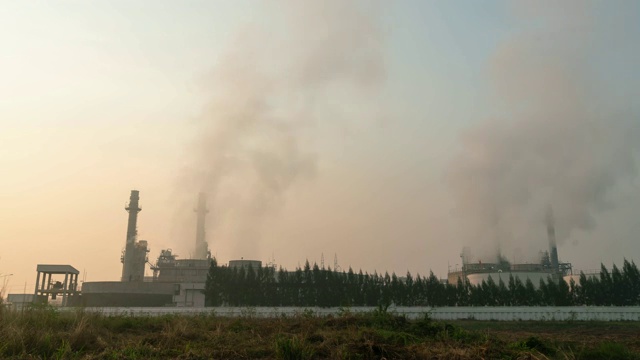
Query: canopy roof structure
[57,269]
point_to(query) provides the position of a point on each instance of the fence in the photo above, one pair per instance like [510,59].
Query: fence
[505,313]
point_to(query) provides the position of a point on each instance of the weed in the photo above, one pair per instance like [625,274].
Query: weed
[292,348]
[308,313]
[396,337]
[43,332]
[344,311]
[533,343]
[248,312]
[381,318]
[608,351]
[63,351]
[425,327]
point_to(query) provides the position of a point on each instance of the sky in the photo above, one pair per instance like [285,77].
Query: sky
[388,135]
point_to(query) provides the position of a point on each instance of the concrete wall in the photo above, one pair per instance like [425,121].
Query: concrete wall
[538,313]
[117,294]
[476,279]
[255,264]
[105,287]
[190,295]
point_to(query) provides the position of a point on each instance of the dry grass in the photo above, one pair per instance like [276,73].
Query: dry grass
[45,333]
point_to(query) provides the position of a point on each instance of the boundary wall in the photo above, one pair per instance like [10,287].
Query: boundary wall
[502,313]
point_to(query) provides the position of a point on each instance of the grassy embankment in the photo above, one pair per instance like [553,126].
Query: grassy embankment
[46,333]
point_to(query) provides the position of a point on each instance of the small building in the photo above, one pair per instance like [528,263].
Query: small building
[246,264]
[20,301]
[189,294]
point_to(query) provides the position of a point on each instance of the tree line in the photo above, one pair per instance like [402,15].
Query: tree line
[313,286]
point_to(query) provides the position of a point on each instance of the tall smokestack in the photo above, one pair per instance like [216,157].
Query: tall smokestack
[551,234]
[129,268]
[202,251]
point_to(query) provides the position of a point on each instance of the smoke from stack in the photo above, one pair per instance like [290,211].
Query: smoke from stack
[555,143]
[551,234]
[273,91]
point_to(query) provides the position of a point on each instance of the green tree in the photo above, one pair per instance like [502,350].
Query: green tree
[531,297]
[212,290]
[631,277]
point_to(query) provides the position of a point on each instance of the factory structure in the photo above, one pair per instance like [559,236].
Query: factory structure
[175,282]
[181,282]
[547,266]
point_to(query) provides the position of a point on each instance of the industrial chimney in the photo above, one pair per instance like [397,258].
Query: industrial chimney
[202,250]
[551,234]
[135,252]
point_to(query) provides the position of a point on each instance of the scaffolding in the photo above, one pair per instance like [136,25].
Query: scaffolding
[47,288]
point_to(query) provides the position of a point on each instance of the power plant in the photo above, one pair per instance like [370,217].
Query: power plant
[181,282]
[547,265]
[175,282]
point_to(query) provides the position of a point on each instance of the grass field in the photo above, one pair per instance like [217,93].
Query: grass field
[47,333]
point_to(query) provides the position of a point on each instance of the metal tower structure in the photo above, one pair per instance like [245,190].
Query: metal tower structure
[134,257]
[202,249]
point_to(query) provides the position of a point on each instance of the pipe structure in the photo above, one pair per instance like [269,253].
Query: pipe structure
[202,250]
[130,271]
[551,234]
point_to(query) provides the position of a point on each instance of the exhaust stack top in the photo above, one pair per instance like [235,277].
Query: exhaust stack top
[133,209]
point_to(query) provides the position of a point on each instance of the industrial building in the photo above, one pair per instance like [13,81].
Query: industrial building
[548,265]
[175,282]
[246,264]
[181,282]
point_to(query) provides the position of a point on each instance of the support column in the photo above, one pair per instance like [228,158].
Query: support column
[37,282]
[64,289]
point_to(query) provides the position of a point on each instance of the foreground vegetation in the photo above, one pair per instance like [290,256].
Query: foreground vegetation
[46,333]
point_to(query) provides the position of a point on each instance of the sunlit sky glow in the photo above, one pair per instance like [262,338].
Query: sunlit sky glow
[101,97]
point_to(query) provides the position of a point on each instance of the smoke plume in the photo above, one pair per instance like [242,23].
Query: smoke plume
[555,144]
[270,94]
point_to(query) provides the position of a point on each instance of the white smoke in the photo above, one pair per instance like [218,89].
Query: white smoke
[270,93]
[555,144]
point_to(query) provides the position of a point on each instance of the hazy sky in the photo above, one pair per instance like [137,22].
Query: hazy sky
[390,133]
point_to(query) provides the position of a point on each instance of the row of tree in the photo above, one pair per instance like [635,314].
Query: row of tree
[313,286]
